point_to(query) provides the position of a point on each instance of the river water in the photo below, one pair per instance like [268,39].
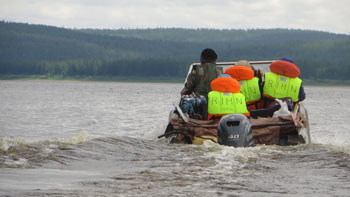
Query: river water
[100,139]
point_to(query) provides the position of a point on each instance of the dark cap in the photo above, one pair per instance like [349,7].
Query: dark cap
[287,59]
[208,55]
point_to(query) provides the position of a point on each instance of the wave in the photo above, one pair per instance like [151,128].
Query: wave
[339,143]
[18,152]
[81,147]
[344,148]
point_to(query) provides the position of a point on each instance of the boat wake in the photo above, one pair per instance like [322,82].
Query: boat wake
[122,165]
[21,153]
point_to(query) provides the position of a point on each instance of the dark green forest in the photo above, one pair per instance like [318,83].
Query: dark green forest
[32,50]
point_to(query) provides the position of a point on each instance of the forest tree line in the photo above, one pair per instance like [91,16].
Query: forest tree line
[46,50]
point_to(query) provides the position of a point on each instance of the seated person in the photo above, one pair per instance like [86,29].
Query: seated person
[283,81]
[225,98]
[250,85]
[257,72]
[198,81]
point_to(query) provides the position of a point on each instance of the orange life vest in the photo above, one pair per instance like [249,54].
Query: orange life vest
[282,68]
[249,85]
[228,85]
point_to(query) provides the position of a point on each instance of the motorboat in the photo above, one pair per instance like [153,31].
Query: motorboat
[262,127]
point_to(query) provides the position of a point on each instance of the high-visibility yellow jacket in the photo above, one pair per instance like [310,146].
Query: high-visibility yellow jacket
[279,86]
[226,103]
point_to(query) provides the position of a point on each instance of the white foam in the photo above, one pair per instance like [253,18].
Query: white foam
[229,158]
[6,143]
[75,139]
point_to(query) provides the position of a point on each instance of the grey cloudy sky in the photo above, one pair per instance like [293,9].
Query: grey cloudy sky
[324,15]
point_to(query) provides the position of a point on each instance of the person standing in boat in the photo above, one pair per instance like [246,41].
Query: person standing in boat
[250,84]
[198,81]
[283,81]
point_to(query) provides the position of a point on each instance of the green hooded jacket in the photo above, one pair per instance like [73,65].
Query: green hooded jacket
[199,80]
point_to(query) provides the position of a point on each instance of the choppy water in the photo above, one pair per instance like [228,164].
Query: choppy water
[100,139]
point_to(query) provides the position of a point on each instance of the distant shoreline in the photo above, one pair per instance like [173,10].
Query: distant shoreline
[325,82]
[306,82]
[95,78]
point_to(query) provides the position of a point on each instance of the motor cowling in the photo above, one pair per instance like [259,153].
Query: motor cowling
[235,130]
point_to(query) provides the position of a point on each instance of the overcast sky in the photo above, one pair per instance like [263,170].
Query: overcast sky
[324,15]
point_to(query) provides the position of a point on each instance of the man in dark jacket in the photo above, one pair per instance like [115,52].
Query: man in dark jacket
[198,81]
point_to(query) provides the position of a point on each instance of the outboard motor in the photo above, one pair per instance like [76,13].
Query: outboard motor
[235,130]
